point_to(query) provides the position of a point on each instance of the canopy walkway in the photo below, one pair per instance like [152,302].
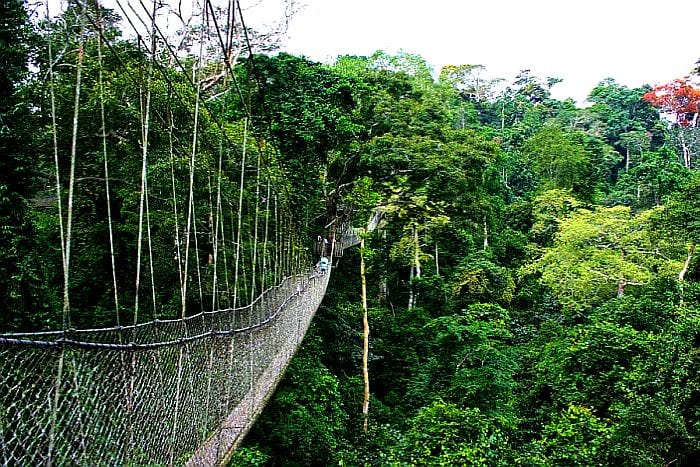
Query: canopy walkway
[351,235]
[177,270]
[161,393]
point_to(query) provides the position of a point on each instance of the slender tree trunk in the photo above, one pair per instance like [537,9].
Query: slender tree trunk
[684,270]
[486,234]
[503,119]
[686,264]
[621,287]
[365,338]
[504,176]
[437,260]
[416,251]
[410,288]
[415,269]
[210,258]
[383,290]
[622,283]
[686,149]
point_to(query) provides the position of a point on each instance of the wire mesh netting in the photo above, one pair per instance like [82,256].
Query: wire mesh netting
[161,393]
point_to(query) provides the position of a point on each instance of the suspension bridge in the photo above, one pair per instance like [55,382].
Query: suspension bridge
[184,272]
[164,392]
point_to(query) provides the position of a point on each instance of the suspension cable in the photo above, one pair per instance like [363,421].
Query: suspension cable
[197,259]
[54,136]
[263,284]
[215,229]
[150,254]
[71,179]
[106,166]
[145,122]
[65,239]
[278,244]
[178,254]
[254,259]
[223,242]
[190,202]
[240,213]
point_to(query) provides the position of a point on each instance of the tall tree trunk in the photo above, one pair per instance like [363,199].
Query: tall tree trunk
[503,119]
[410,288]
[416,251]
[621,287]
[415,269]
[622,283]
[210,259]
[365,338]
[437,260]
[686,264]
[383,289]
[684,270]
[686,149]
[486,234]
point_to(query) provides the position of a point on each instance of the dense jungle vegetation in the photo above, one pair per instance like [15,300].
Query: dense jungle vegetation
[533,287]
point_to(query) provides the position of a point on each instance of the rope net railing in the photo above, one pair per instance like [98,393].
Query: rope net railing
[73,403]
[173,282]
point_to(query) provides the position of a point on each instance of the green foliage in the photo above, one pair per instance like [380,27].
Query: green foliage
[469,361]
[308,111]
[22,283]
[559,161]
[394,359]
[538,332]
[305,420]
[249,456]
[479,280]
[622,117]
[681,216]
[576,437]
[444,434]
[549,209]
[596,254]
[559,366]
[586,366]
[654,177]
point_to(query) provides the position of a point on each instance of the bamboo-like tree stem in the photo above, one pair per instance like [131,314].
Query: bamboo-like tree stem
[684,270]
[686,263]
[365,337]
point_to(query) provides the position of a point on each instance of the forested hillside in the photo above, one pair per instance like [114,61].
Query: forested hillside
[533,286]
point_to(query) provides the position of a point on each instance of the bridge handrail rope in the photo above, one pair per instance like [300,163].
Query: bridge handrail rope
[62,337]
[23,339]
[90,425]
[219,446]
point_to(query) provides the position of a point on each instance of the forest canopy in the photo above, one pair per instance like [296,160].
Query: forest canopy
[533,286]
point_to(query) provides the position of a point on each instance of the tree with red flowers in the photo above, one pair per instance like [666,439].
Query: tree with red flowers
[678,98]
[682,100]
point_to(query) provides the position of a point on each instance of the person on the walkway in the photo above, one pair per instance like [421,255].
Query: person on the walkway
[323,264]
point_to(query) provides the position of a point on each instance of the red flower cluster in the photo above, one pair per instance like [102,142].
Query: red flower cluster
[679,98]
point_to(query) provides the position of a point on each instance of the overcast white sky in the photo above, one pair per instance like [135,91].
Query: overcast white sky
[580,41]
